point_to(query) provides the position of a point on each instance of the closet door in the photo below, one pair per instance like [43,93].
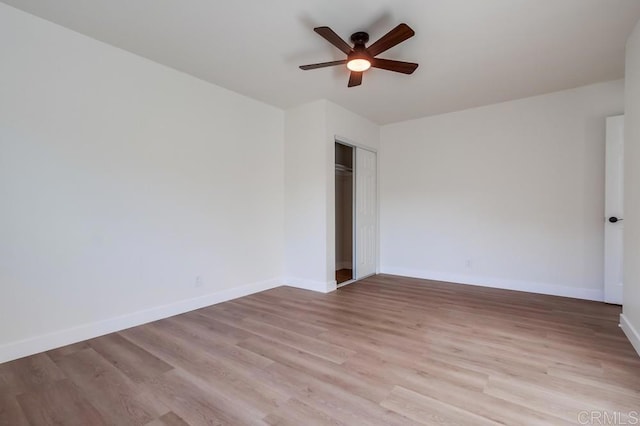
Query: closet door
[366,213]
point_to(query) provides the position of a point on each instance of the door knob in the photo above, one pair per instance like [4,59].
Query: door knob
[614,219]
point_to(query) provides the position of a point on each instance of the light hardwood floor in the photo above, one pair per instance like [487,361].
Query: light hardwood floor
[383,351]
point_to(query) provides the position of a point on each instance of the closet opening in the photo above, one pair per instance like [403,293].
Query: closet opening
[344,206]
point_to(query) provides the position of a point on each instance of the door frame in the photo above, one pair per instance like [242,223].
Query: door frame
[613,291]
[348,142]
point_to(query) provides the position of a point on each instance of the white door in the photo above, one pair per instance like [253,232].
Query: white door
[366,213]
[614,213]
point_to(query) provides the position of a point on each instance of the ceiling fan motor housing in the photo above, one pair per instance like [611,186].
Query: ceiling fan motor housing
[359,40]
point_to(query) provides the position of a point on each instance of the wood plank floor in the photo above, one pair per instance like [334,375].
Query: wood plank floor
[343,275]
[383,351]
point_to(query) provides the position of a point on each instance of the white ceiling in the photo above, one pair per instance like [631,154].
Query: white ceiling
[471,52]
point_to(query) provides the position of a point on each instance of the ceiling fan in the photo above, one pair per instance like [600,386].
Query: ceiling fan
[360,58]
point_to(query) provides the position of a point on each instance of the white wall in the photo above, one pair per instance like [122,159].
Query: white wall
[306,229]
[310,132]
[351,127]
[630,320]
[508,195]
[121,181]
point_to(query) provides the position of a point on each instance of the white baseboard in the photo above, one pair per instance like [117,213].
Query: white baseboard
[631,333]
[34,345]
[528,286]
[319,286]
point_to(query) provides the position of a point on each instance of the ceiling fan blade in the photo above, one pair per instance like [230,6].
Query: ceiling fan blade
[397,66]
[333,38]
[390,39]
[322,65]
[355,79]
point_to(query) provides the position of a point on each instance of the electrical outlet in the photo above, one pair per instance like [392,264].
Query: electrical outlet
[199,281]
[468,263]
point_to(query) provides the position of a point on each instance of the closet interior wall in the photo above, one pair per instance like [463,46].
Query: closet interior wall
[344,212]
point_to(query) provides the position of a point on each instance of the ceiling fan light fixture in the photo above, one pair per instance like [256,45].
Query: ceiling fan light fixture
[359,60]
[359,64]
